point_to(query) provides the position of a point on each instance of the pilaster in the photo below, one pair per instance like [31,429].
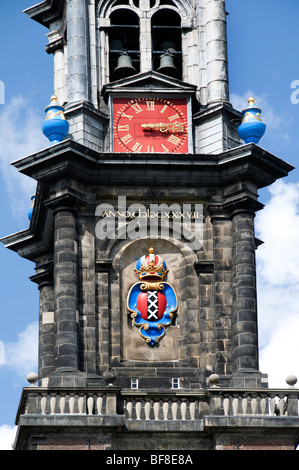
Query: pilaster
[216,51]
[77,51]
[66,282]
[47,328]
[245,339]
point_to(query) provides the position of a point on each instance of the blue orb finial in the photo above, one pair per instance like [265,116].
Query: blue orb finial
[29,213]
[252,128]
[55,127]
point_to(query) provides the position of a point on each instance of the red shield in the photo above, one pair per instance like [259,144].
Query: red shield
[151,305]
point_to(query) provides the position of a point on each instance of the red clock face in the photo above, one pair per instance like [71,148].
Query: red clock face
[151,125]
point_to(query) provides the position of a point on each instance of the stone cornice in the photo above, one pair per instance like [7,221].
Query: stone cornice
[46,12]
[70,160]
[247,162]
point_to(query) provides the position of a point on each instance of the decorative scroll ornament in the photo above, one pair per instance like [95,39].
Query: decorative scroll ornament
[152,302]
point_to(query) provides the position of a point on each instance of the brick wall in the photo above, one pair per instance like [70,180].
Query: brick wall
[257,442]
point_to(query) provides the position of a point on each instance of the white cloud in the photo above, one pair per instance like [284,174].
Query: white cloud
[7,436]
[21,356]
[279,358]
[279,224]
[278,283]
[20,136]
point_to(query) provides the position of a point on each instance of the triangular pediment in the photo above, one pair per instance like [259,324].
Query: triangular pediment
[150,82]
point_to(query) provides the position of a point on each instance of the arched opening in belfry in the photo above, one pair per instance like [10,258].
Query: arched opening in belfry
[124,56]
[166,42]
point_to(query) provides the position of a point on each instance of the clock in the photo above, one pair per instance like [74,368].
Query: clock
[151,125]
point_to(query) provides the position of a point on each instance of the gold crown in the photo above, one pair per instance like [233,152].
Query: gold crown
[151,266]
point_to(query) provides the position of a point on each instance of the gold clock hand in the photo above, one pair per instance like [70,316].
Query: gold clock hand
[164,127]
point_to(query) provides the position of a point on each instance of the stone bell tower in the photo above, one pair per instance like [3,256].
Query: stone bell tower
[142,236]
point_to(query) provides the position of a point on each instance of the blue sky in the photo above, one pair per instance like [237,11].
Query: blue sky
[263,41]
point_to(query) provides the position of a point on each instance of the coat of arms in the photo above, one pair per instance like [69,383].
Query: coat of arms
[152,302]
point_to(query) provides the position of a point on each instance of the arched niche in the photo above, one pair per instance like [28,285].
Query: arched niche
[180,258]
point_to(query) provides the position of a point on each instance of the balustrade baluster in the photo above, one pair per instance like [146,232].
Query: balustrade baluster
[272,406]
[90,403]
[43,404]
[174,410]
[72,404]
[138,410]
[183,409]
[156,409]
[129,407]
[81,404]
[147,409]
[244,405]
[254,406]
[263,405]
[226,406]
[52,403]
[235,405]
[62,404]
[99,404]
[281,404]
[192,410]
[165,410]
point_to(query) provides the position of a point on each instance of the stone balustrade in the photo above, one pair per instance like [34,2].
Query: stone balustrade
[254,403]
[166,405]
[159,405]
[62,401]
[72,403]
[220,402]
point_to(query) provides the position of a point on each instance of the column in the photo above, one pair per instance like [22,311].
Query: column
[44,279]
[245,337]
[66,346]
[77,51]
[56,47]
[216,50]
[145,45]
[60,76]
[222,255]
[103,273]
[46,331]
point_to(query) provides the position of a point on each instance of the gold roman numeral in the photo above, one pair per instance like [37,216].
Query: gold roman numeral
[127,116]
[164,108]
[136,108]
[137,147]
[124,127]
[174,140]
[150,106]
[127,138]
[173,117]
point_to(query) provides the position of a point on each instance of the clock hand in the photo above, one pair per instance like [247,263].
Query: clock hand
[164,127]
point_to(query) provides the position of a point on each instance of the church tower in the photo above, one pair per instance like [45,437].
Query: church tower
[142,236]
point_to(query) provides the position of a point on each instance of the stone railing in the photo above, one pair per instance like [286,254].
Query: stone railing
[62,401]
[166,405]
[253,402]
[221,402]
